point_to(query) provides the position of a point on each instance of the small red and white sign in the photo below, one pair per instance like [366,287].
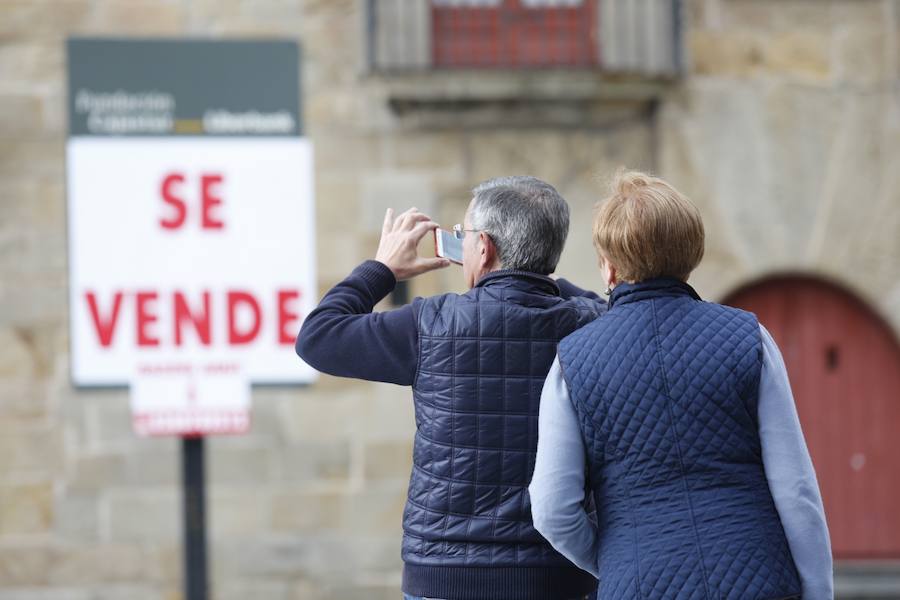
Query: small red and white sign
[192,265]
[186,399]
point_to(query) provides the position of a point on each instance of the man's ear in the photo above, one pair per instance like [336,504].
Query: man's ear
[488,254]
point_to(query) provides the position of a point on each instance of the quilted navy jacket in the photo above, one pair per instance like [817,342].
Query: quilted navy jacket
[665,387]
[476,363]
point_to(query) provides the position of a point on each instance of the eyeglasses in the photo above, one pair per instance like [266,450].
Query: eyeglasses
[459,233]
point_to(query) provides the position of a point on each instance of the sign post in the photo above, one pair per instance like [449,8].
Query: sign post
[196,584]
[191,237]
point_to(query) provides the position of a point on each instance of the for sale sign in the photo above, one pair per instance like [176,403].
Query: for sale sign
[191,225]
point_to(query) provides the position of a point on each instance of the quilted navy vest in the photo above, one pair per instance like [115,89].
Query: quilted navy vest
[666,389]
[483,358]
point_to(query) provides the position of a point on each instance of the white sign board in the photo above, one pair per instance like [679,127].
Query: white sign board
[192,265]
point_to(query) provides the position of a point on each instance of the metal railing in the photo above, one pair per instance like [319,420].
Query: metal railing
[635,37]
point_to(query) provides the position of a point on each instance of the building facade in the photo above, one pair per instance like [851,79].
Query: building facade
[781,120]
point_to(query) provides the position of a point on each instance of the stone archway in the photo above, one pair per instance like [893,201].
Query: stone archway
[844,365]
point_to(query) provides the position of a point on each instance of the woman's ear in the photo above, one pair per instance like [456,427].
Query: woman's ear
[612,278]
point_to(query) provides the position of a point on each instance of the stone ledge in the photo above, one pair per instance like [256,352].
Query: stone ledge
[534,85]
[867,580]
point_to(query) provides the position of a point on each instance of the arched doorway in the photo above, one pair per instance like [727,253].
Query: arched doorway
[844,366]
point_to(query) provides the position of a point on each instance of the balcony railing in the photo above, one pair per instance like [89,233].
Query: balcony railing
[631,37]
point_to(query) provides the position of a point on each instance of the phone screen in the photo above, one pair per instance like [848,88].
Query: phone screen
[446,245]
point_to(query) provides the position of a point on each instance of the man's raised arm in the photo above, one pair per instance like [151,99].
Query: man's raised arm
[343,337]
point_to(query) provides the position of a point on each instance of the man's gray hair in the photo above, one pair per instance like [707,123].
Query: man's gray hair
[526,218]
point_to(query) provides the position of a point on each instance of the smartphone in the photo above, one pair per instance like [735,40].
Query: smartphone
[447,245]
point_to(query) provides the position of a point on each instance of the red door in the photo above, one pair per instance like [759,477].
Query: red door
[514,33]
[844,366]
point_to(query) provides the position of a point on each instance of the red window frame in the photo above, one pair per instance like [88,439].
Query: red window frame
[514,34]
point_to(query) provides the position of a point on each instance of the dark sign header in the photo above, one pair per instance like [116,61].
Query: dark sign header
[120,87]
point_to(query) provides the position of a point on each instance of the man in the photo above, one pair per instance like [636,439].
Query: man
[476,363]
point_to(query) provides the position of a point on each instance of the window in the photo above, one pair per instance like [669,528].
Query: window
[625,36]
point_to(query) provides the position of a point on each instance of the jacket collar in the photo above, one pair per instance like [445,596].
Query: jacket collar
[625,293]
[519,280]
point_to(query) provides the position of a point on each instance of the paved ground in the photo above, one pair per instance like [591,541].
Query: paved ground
[867,582]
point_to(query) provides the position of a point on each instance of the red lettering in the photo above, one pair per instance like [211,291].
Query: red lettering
[169,197]
[145,318]
[235,299]
[287,316]
[105,327]
[209,200]
[200,320]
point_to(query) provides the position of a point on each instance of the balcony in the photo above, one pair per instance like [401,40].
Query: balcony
[460,52]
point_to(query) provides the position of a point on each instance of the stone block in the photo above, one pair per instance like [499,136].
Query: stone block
[306,590]
[113,591]
[22,398]
[21,115]
[26,508]
[339,253]
[141,515]
[386,591]
[334,109]
[334,192]
[326,557]
[76,516]
[48,19]
[374,554]
[388,414]
[262,589]
[232,461]
[202,11]
[375,511]
[107,419]
[868,14]
[27,63]
[271,405]
[270,556]
[26,564]
[86,564]
[322,414]
[733,53]
[314,462]
[388,460]
[238,511]
[307,511]
[36,202]
[804,53]
[144,17]
[27,160]
[516,151]
[750,14]
[33,452]
[865,55]
[776,16]
[94,472]
[399,190]
[154,464]
[38,297]
[15,354]
[170,557]
[54,110]
[428,150]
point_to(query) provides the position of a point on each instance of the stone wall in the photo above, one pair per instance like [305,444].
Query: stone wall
[786,131]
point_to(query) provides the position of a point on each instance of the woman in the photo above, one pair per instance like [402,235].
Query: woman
[679,414]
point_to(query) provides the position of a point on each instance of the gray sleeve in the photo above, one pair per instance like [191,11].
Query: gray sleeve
[791,477]
[557,486]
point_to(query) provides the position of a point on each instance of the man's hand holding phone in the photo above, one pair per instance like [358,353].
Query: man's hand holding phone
[400,238]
